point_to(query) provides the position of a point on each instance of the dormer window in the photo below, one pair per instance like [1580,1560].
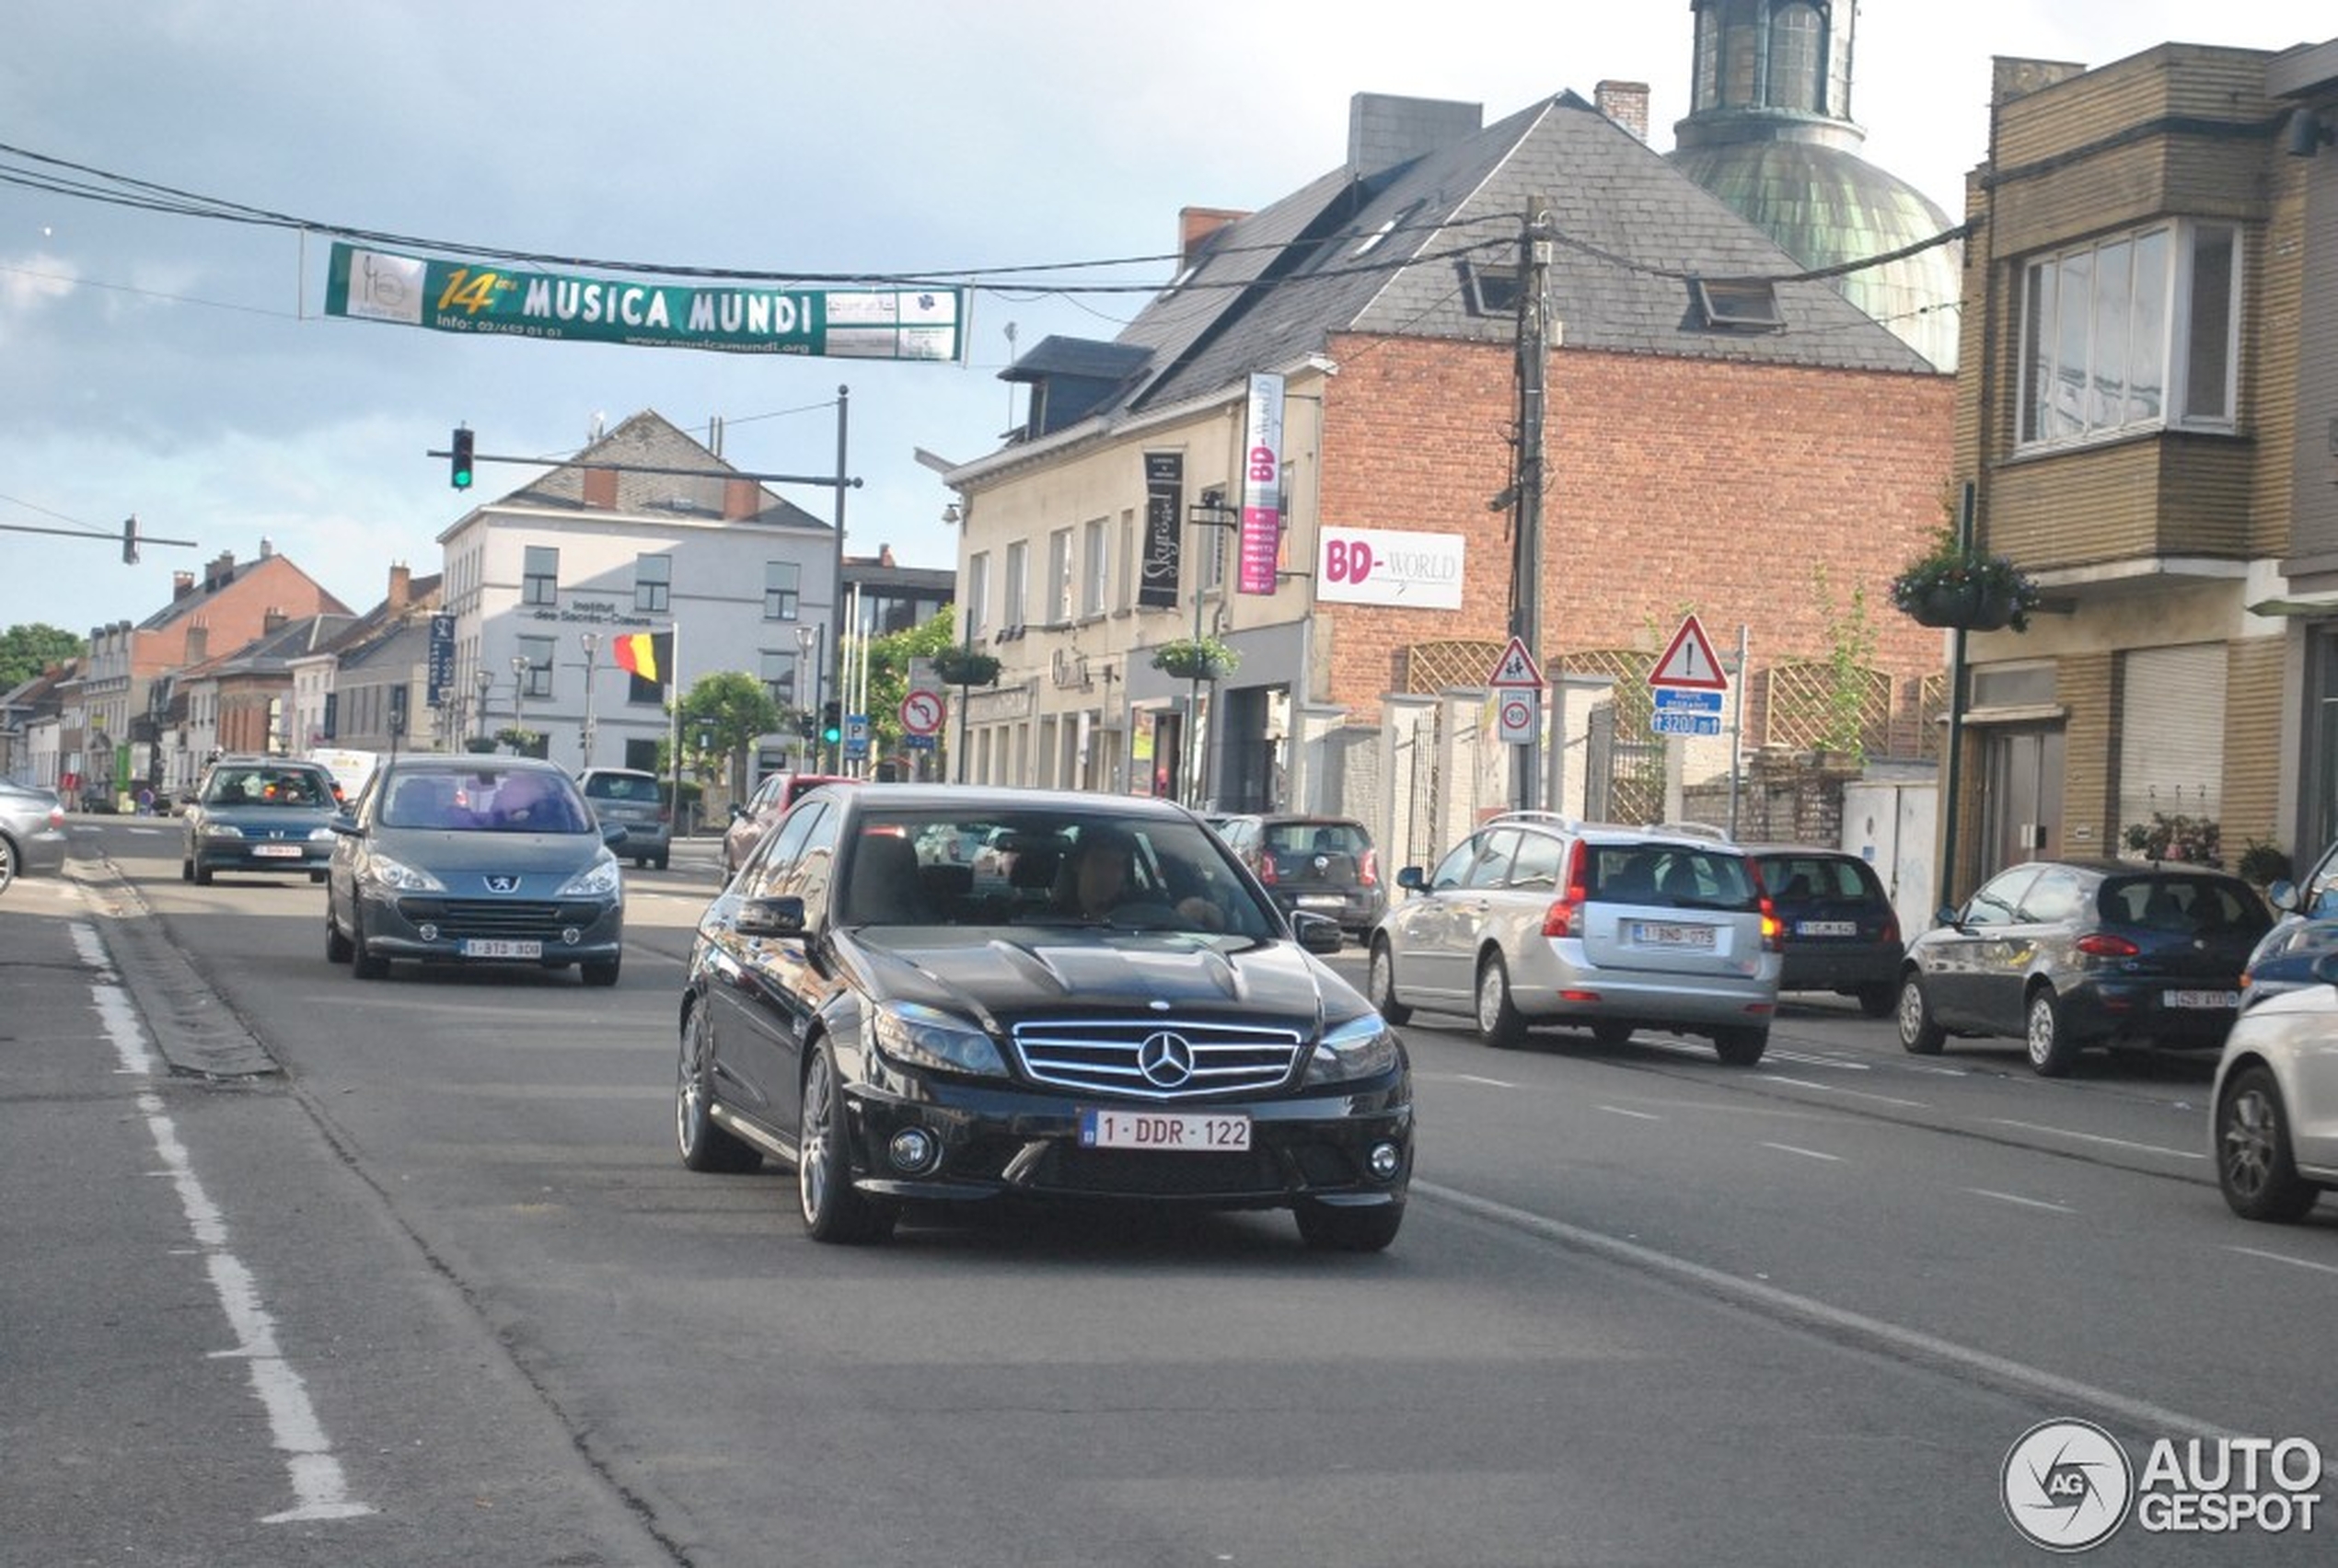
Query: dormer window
[1494,288]
[1737,302]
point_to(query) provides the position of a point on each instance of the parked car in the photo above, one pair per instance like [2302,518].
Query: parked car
[2306,927]
[751,821]
[266,814]
[463,859]
[1121,1015]
[1326,865]
[32,832]
[2063,954]
[634,801]
[1537,918]
[1841,933]
[2275,1136]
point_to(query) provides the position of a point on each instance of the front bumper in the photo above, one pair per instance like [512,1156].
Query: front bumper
[1005,1143]
[437,926]
[265,857]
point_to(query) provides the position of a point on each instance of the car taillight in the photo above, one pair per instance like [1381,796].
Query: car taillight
[2102,944]
[1891,928]
[56,816]
[1267,868]
[1564,916]
[1773,929]
[664,812]
[1370,872]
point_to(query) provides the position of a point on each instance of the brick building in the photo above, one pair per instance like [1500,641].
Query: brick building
[1720,435]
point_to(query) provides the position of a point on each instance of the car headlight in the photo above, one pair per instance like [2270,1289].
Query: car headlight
[597,881]
[400,877]
[1360,1048]
[919,1036]
[222,830]
[320,835]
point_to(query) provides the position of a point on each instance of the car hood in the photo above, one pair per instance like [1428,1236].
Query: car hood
[457,857]
[1002,977]
[277,821]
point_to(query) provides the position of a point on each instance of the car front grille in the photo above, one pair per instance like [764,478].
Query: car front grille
[1111,1056]
[497,917]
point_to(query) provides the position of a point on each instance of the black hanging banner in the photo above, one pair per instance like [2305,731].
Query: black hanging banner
[1165,517]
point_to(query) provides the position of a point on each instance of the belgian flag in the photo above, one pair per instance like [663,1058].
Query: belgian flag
[647,656]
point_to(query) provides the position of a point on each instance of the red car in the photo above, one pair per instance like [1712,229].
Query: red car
[773,796]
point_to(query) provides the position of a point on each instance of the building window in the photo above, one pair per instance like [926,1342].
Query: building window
[977,595]
[2118,333]
[541,580]
[783,589]
[1095,559]
[1124,589]
[1796,58]
[653,583]
[779,677]
[1058,577]
[1017,553]
[1494,289]
[536,679]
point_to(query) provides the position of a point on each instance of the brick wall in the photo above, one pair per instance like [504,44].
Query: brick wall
[1675,485]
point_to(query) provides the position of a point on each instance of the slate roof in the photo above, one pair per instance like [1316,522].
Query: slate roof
[1272,288]
[648,440]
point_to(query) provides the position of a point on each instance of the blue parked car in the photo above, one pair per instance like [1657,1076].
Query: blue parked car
[2307,929]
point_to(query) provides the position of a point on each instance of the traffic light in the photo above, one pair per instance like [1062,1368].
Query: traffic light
[460,473]
[831,722]
[807,725]
[130,540]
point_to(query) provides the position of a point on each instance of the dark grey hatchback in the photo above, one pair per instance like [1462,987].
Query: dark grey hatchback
[2062,954]
[1104,1006]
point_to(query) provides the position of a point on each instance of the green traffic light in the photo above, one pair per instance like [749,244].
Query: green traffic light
[461,469]
[831,735]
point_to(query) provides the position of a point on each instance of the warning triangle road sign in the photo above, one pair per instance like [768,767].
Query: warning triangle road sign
[1689,664]
[1516,667]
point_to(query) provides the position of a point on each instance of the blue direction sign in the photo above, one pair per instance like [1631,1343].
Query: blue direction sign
[1679,699]
[1672,721]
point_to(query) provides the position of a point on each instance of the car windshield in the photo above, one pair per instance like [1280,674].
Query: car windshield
[486,799]
[1019,868]
[264,786]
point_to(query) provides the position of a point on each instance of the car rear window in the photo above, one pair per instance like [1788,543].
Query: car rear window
[1317,838]
[1662,875]
[1795,878]
[621,787]
[2189,905]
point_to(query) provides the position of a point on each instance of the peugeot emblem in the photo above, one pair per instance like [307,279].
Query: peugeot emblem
[502,884]
[1165,1059]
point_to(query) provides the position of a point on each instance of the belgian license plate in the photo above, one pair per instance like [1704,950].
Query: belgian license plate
[1826,928]
[277,851]
[495,947]
[1319,901]
[2200,998]
[1174,1132]
[1661,933]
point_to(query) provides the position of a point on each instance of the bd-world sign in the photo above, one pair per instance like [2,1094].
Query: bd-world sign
[461,296]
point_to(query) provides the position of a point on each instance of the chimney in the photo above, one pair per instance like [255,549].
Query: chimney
[271,622]
[1385,132]
[600,489]
[1626,103]
[182,585]
[885,555]
[221,572]
[198,642]
[267,549]
[1196,224]
[401,588]
[742,499]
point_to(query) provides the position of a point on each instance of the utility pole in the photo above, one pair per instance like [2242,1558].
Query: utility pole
[1526,535]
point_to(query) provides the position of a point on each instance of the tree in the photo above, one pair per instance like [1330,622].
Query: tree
[26,650]
[890,659]
[724,715]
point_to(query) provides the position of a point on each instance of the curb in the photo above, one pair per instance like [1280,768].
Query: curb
[193,1028]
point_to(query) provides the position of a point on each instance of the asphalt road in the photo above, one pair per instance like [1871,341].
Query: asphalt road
[409,1273]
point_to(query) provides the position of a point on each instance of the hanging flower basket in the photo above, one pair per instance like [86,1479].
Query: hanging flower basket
[1196,659]
[964,667]
[1958,586]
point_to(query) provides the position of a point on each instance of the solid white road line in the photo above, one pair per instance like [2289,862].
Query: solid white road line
[1805,1153]
[2096,1137]
[2017,1198]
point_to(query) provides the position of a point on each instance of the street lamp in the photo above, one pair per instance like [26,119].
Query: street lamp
[486,680]
[806,638]
[519,689]
[590,642]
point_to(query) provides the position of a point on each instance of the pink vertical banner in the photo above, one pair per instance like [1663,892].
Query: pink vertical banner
[1262,486]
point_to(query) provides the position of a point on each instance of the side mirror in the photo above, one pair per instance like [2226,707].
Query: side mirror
[1947,915]
[2325,968]
[1316,933]
[770,917]
[1412,879]
[737,811]
[2282,894]
[344,823]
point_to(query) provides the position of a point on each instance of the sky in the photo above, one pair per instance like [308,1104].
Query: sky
[183,370]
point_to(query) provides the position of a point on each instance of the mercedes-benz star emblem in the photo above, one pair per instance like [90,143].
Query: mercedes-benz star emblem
[1165,1059]
[502,884]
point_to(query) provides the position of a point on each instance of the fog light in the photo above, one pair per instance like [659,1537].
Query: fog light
[571,935]
[914,1151]
[429,933]
[1385,1161]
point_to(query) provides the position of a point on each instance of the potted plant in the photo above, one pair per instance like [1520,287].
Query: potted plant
[961,666]
[1957,584]
[2194,840]
[1196,659]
